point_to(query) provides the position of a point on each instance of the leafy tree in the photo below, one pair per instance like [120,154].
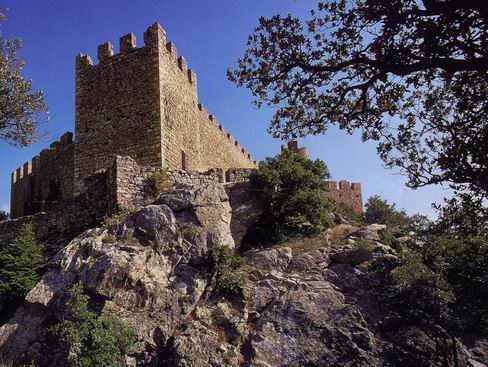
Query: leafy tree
[457,249]
[411,75]
[22,110]
[224,266]
[423,299]
[440,289]
[381,211]
[293,192]
[93,341]
[4,215]
[423,293]
[21,266]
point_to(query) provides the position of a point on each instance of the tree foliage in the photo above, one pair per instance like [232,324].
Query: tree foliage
[224,266]
[93,341]
[293,192]
[21,108]
[445,282]
[21,266]
[4,215]
[411,75]
[381,211]
[458,249]
[423,293]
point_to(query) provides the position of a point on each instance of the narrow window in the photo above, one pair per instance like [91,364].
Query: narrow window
[184,161]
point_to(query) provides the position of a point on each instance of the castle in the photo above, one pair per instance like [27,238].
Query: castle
[348,194]
[141,103]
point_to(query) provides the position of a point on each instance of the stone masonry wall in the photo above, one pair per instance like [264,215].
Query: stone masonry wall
[68,218]
[117,107]
[347,193]
[45,180]
[134,182]
[123,186]
[143,103]
[192,139]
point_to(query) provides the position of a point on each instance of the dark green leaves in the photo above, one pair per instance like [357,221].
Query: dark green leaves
[21,265]
[411,75]
[94,341]
[293,192]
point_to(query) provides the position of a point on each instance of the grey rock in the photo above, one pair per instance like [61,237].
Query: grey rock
[316,307]
[353,256]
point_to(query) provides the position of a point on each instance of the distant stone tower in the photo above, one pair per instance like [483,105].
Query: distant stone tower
[293,146]
[143,103]
[347,193]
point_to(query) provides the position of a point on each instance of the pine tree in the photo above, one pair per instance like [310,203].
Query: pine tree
[21,264]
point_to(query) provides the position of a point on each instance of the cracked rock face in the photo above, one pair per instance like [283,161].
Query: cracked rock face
[313,307]
[150,269]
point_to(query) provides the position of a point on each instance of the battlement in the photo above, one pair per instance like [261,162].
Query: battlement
[293,146]
[34,165]
[48,176]
[214,122]
[344,185]
[154,39]
[346,193]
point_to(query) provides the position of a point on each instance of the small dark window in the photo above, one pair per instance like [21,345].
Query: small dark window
[54,191]
[184,161]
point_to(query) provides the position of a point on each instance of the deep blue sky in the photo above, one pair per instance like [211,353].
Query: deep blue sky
[211,35]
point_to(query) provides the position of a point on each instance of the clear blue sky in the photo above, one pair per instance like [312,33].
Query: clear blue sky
[211,35]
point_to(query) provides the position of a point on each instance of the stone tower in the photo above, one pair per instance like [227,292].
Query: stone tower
[143,102]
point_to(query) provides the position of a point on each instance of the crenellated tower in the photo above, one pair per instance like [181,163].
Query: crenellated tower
[45,180]
[143,102]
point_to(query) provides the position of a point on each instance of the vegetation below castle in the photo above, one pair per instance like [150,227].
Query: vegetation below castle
[294,196]
[21,267]
[91,340]
[431,276]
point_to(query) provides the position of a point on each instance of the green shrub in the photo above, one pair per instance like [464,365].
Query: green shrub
[418,293]
[21,267]
[382,212]
[348,213]
[388,238]
[114,219]
[159,181]
[293,193]
[93,341]
[440,289]
[463,261]
[224,266]
[4,215]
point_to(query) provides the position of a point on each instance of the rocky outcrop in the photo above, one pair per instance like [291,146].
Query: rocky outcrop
[313,306]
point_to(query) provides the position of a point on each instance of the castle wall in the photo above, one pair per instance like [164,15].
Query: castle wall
[192,139]
[347,193]
[219,148]
[134,184]
[178,90]
[143,103]
[68,218]
[45,180]
[117,107]
[123,186]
